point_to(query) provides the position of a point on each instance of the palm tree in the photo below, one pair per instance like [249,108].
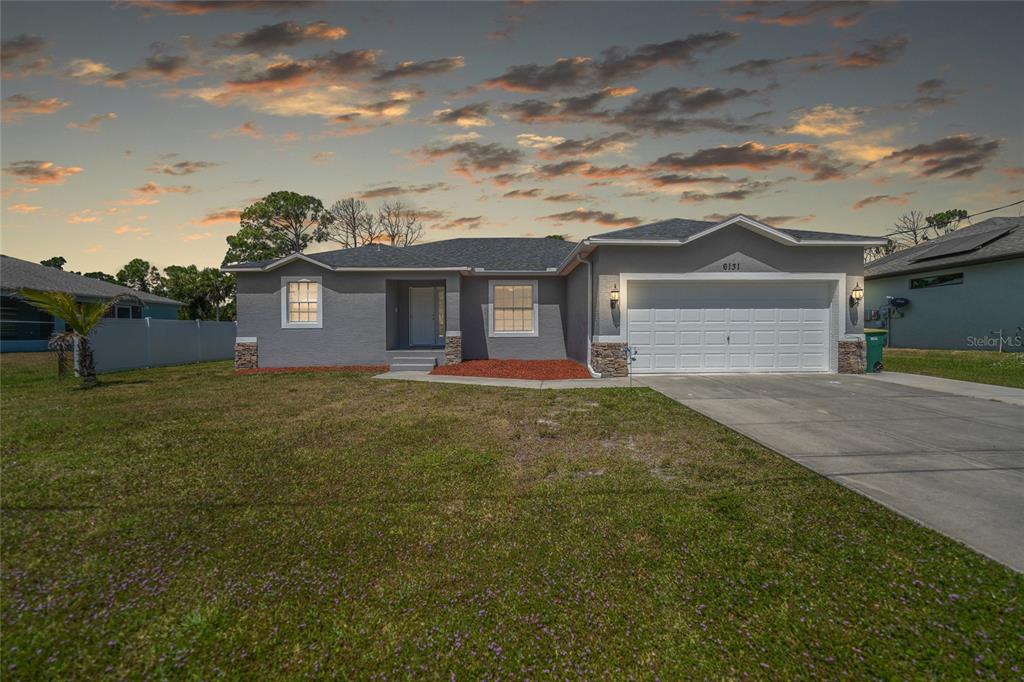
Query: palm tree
[80,318]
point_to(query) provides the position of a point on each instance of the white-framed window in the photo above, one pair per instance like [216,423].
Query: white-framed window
[513,308]
[302,303]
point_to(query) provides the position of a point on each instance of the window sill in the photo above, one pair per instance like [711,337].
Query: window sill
[514,335]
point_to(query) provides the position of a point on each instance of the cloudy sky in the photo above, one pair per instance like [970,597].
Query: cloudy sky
[142,128]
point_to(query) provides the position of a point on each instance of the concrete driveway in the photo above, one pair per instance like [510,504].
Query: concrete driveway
[948,454]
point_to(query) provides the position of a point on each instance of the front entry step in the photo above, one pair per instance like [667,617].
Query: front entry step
[412,363]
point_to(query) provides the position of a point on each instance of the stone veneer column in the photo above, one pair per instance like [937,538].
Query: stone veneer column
[246,354]
[609,359]
[452,348]
[852,357]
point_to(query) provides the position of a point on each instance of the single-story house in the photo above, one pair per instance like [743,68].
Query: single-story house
[963,290]
[682,295]
[24,328]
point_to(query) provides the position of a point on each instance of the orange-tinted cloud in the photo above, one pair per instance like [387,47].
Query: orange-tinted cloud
[592,216]
[398,190]
[468,116]
[826,121]
[40,172]
[200,7]
[18,106]
[839,14]
[756,156]
[181,167]
[21,56]
[463,223]
[473,157]
[153,188]
[224,216]
[899,199]
[284,34]
[956,156]
[23,208]
[92,123]
[411,69]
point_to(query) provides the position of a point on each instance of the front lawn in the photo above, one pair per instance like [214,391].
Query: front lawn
[188,522]
[985,367]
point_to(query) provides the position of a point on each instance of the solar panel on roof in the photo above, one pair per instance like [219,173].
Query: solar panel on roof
[958,245]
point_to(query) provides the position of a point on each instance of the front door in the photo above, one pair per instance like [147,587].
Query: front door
[422,316]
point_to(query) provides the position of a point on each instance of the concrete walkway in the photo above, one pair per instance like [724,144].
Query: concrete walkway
[512,383]
[948,454]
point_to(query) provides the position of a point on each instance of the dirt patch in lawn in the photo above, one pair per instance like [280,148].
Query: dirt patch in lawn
[516,369]
[375,369]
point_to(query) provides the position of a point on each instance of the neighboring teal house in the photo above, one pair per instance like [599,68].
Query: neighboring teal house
[964,290]
[23,328]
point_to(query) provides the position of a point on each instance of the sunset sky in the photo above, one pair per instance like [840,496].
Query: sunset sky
[140,129]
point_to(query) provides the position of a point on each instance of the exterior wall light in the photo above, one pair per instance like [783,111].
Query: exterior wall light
[615,295]
[856,294]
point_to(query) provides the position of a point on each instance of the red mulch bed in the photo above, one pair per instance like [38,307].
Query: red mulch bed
[375,369]
[516,369]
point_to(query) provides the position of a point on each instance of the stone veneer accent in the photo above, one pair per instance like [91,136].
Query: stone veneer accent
[608,359]
[852,357]
[452,349]
[246,356]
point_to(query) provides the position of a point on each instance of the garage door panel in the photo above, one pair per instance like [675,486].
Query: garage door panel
[790,315]
[813,337]
[690,315]
[687,338]
[729,326]
[639,338]
[788,360]
[714,361]
[639,315]
[714,315]
[740,337]
[714,338]
[812,315]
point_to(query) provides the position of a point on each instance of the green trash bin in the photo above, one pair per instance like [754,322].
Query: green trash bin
[875,340]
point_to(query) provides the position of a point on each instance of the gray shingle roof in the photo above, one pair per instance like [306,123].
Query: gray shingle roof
[485,253]
[1007,242]
[18,274]
[681,228]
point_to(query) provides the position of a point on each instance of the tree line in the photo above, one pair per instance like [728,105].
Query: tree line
[287,222]
[279,224]
[208,293]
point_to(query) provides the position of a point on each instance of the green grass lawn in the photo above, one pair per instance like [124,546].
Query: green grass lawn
[985,367]
[186,523]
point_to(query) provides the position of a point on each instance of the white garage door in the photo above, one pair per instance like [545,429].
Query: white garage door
[764,326]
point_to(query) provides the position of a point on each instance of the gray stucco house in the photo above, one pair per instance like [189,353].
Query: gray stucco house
[964,290]
[685,295]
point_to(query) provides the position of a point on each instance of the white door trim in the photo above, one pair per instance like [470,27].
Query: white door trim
[836,323]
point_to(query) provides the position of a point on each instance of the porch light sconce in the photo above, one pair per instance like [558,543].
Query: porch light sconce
[615,296]
[856,295]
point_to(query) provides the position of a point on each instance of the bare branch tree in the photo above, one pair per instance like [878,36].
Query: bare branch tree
[354,225]
[399,223]
[911,229]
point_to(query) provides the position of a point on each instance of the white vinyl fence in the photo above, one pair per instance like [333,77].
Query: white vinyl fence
[130,344]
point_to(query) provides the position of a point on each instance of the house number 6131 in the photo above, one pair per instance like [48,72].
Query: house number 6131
[730,266]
